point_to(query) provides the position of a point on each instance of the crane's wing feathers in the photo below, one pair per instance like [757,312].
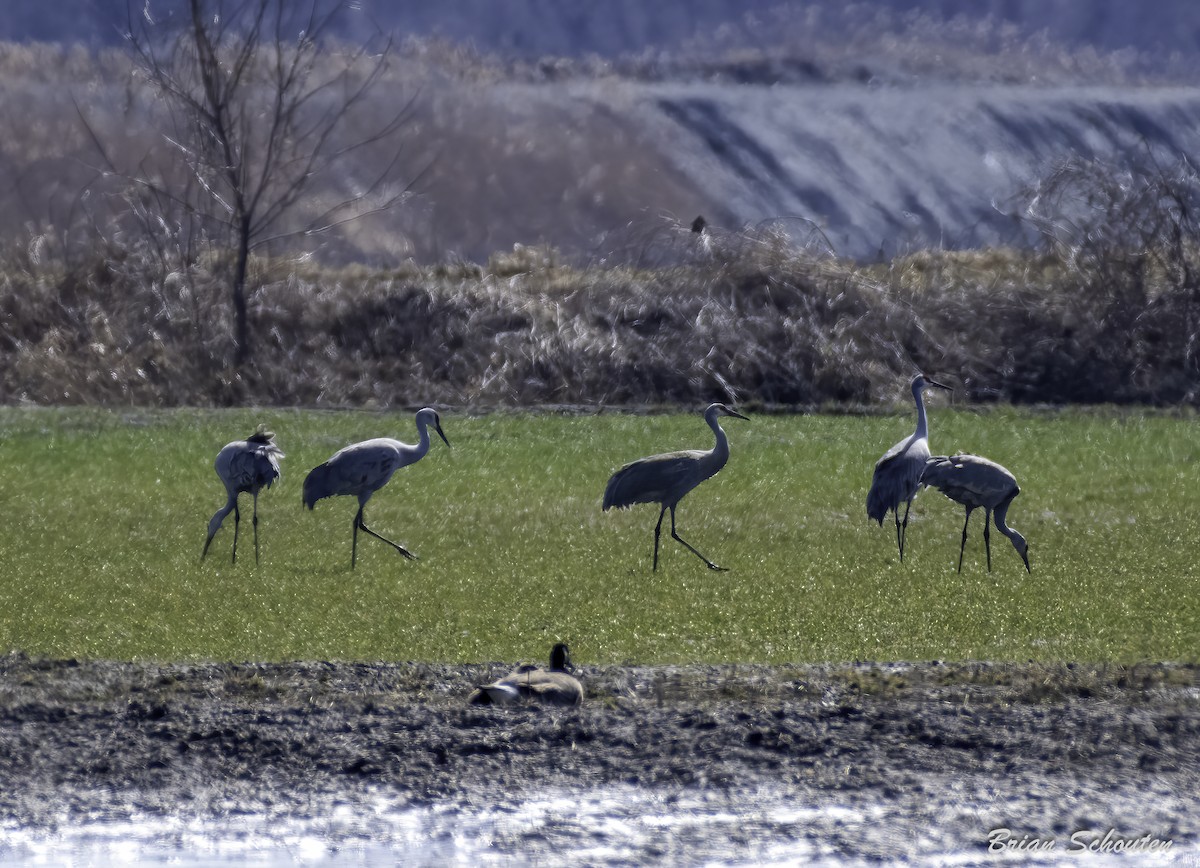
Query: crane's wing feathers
[358,469]
[891,455]
[970,479]
[897,477]
[650,480]
[255,467]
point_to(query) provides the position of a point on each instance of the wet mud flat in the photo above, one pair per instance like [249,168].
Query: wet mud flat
[873,761]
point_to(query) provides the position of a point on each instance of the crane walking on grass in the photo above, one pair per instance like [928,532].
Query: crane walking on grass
[244,465]
[977,482]
[363,468]
[665,479]
[898,473]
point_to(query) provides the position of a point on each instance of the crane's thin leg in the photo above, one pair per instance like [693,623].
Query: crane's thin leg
[657,532]
[987,537]
[255,523]
[688,546]
[237,518]
[963,547]
[904,530]
[899,541]
[354,543]
[362,524]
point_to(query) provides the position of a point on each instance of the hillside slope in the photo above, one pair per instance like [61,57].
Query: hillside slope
[883,171]
[878,170]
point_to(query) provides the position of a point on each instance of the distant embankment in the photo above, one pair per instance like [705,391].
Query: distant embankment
[883,171]
[596,168]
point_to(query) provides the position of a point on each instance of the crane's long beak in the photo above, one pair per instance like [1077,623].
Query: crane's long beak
[936,383]
[438,428]
[735,414]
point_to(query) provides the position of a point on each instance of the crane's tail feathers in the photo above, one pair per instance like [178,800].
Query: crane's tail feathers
[317,485]
[266,466]
[877,508]
[617,493]
[878,499]
[610,492]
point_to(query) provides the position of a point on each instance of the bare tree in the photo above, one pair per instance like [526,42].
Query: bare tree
[257,97]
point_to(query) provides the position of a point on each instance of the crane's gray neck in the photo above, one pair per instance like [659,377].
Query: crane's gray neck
[1000,516]
[422,437]
[720,452]
[221,514]
[922,432]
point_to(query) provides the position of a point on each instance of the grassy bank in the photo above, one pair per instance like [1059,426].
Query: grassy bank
[106,514]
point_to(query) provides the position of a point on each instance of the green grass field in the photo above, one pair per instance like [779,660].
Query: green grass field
[106,514]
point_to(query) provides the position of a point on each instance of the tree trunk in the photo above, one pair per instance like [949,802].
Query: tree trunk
[240,322]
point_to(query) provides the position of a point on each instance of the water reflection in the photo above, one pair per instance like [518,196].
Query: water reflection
[607,826]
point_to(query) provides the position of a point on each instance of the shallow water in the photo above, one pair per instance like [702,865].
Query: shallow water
[605,826]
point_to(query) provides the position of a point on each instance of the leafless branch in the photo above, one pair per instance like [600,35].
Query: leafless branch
[257,98]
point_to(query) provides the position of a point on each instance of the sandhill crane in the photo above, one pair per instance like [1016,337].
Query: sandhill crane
[898,473]
[977,482]
[244,465]
[665,479]
[529,683]
[363,468]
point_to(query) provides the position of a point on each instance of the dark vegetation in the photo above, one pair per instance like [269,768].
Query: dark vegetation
[1107,312]
[111,293]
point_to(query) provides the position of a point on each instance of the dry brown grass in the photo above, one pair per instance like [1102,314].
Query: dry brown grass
[101,304]
[742,317]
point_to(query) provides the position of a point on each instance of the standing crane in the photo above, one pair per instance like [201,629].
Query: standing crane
[528,683]
[977,482]
[363,468]
[898,473]
[665,479]
[244,465]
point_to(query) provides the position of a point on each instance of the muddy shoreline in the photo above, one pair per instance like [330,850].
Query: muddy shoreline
[958,749]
